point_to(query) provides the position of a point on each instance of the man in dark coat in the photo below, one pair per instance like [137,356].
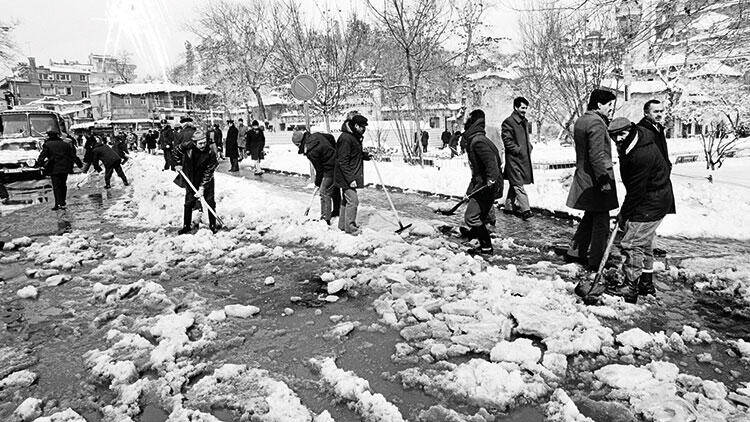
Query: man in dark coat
[486,183]
[88,146]
[151,138]
[518,170]
[58,157]
[454,141]
[232,149]
[653,118]
[186,132]
[166,143]
[425,140]
[320,149]
[111,161]
[198,162]
[445,137]
[593,186]
[348,171]
[255,141]
[218,140]
[645,174]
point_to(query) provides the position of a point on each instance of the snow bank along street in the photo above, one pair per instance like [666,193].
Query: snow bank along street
[280,318]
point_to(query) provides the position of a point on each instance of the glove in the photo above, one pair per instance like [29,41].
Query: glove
[178,168]
[353,184]
[606,188]
[199,194]
[366,156]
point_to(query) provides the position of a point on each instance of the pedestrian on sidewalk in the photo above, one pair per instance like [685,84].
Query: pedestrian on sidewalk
[166,143]
[425,140]
[241,134]
[454,141]
[255,141]
[593,188]
[151,139]
[653,122]
[518,170]
[111,161]
[198,162]
[445,137]
[232,149]
[57,158]
[218,140]
[486,173]
[648,198]
[348,172]
[320,149]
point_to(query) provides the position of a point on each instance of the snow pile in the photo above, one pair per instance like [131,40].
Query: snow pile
[561,408]
[151,293]
[479,383]
[29,409]
[67,415]
[248,391]
[66,251]
[28,292]
[348,386]
[728,276]
[18,379]
[658,392]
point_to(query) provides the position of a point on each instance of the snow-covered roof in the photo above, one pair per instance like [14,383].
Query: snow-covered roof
[636,87]
[75,110]
[500,74]
[59,101]
[67,69]
[149,88]
[716,68]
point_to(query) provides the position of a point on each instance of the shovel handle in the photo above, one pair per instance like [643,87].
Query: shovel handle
[309,206]
[202,199]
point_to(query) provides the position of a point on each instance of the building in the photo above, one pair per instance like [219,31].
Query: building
[151,101]
[31,82]
[108,70]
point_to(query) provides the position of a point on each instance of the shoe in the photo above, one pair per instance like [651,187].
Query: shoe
[467,233]
[526,215]
[569,259]
[334,214]
[184,230]
[480,250]
[126,183]
[107,186]
[628,290]
[646,284]
[55,208]
[213,229]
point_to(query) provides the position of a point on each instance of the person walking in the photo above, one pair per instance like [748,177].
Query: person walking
[166,143]
[241,134]
[653,123]
[648,199]
[320,149]
[198,162]
[518,170]
[88,146]
[57,158]
[454,141]
[255,141]
[593,188]
[348,171]
[445,137]
[232,149]
[218,140]
[121,147]
[111,161]
[425,140]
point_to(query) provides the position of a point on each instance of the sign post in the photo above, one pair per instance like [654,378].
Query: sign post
[304,88]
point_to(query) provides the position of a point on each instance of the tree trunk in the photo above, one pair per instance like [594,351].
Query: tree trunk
[261,106]
[327,118]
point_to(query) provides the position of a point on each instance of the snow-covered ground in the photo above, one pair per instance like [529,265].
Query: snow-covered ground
[718,209]
[528,336]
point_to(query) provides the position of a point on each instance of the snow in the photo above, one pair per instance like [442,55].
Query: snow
[348,386]
[18,379]
[29,409]
[561,408]
[520,351]
[28,292]
[241,311]
[635,337]
[67,415]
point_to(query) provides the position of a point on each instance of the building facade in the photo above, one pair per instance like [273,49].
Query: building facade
[31,82]
[150,101]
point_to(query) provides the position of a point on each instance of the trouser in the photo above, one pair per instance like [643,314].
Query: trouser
[60,188]
[116,168]
[326,200]
[517,199]
[348,213]
[591,236]
[234,164]
[191,201]
[168,162]
[479,211]
[637,246]
[86,167]
[336,198]
[424,147]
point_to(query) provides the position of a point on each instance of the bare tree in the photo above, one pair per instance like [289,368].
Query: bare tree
[7,45]
[124,67]
[326,51]
[418,29]
[238,39]
[469,18]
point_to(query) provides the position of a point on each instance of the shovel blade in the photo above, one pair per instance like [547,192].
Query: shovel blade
[402,228]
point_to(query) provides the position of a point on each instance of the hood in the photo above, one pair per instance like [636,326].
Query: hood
[311,142]
[476,128]
[346,128]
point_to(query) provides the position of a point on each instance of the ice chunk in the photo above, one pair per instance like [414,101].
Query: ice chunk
[664,371]
[635,337]
[29,409]
[627,377]
[520,351]
[337,285]
[241,311]
[67,415]
[561,408]
[28,292]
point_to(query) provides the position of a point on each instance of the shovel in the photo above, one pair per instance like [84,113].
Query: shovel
[203,200]
[401,227]
[307,210]
[586,291]
[461,202]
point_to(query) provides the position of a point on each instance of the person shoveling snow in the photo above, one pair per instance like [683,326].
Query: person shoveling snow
[196,163]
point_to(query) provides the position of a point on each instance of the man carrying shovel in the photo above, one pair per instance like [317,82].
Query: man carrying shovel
[348,172]
[196,162]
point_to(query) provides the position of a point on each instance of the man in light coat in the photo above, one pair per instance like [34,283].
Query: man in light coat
[518,170]
[593,187]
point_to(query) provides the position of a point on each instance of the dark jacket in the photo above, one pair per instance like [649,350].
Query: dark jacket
[151,139]
[445,137]
[166,138]
[58,157]
[455,138]
[349,166]
[645,175]
[255,141]
[656,135]
[593,165]
[425,137]
[485,162]
[185,135]
[231,147]
[515,134]
[198,165]
[320,149]
[218,137]
[106,155]
[88,146]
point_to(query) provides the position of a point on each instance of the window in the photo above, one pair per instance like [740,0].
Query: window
[158,100]
[84,94]
[177,102]
[45,77]
[127,100]
[82,78]
[48,90]
[60,91]
[68,91]
[143,100]
[62,77]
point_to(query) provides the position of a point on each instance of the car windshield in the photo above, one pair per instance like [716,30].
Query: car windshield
[14,126]
[18,146]
[41,124]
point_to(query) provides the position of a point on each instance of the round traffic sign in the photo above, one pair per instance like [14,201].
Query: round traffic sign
[304,87]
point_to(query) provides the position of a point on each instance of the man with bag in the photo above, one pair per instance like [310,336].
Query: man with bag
[198,163]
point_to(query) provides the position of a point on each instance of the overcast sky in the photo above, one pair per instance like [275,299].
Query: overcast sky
[153,31]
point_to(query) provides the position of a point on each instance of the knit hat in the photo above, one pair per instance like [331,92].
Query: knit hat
[359,120]
[619,124]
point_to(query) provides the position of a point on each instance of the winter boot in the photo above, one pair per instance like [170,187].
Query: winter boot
[468,234]
[184,230]
[485,242]
[646,284]
[526,215]
[628,290]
